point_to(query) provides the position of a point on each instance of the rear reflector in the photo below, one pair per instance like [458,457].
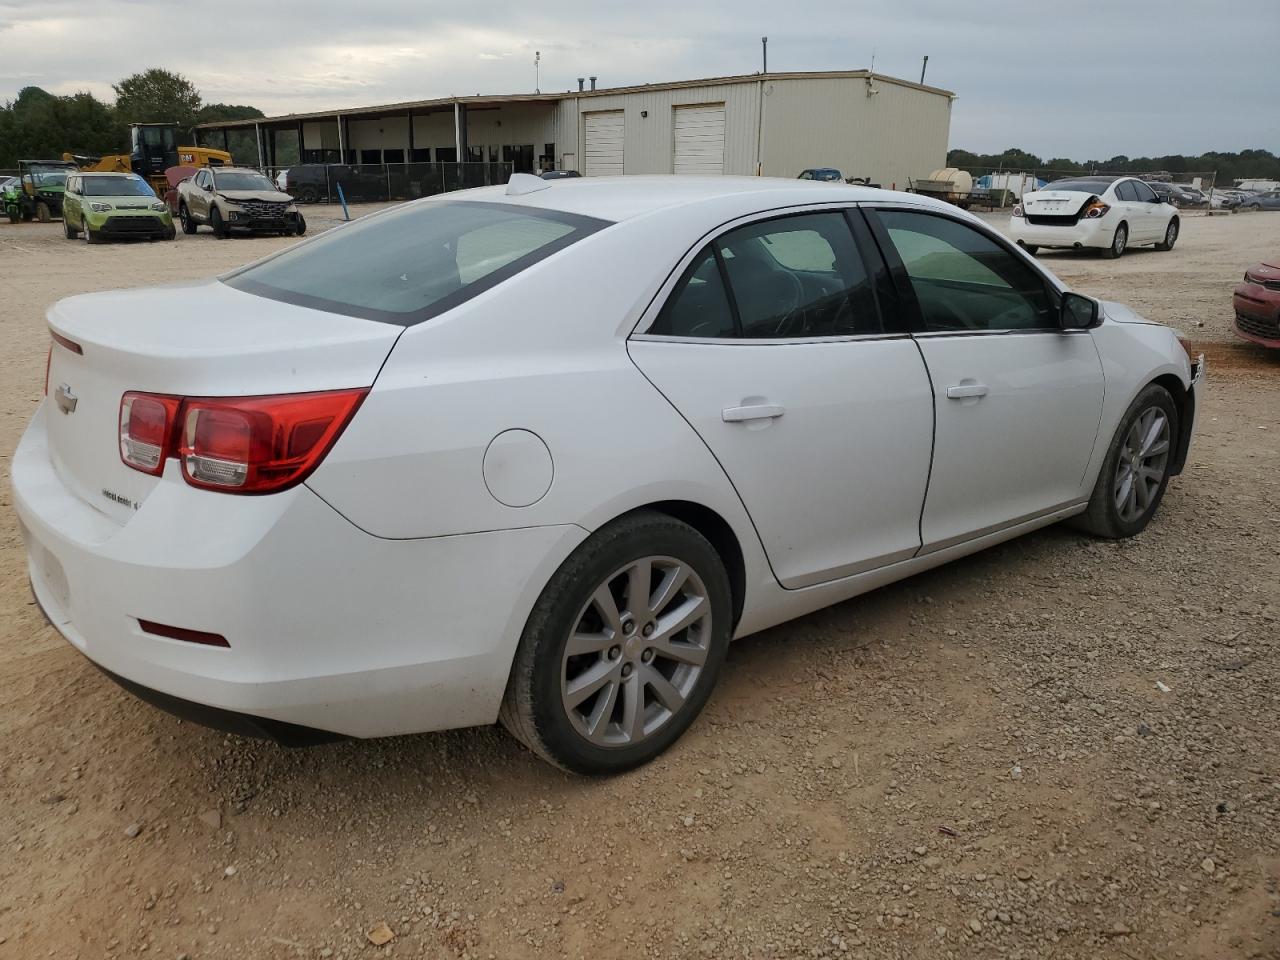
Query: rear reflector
[182,633]
[235,444]
[71,345]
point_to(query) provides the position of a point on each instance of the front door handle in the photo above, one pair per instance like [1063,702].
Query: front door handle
[755,411]
[964,390]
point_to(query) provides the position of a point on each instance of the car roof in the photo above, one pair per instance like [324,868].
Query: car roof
[621,198]
[108,173]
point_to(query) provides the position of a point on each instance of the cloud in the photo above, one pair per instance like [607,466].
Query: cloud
[1088,81]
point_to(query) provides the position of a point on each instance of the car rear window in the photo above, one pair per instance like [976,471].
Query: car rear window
[1082,186]
[414,262]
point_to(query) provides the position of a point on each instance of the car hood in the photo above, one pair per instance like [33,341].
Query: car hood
[1267,269]
[124,201]
[274,196]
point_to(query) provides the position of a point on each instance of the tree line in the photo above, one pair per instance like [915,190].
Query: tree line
[1247,164]
[38,125]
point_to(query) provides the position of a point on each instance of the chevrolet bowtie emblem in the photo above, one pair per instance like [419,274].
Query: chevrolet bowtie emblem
[66,399]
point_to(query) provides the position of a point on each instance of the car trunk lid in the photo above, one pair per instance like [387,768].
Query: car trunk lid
[195,340]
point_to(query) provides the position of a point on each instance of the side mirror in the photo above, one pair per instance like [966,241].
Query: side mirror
[1157,199]
[1077,312]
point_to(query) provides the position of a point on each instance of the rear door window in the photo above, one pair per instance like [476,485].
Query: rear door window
[414,262]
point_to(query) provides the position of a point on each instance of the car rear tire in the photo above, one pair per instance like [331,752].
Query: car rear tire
[1255,206]
[1031,248]
[43,213]
[184,217]
[1135,473]
[602,683]
[308,195]
[1170,236]
[1119,241]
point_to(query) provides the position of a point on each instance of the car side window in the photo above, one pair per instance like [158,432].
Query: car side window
[790,277]
[699,305]
[1142,192]
[799,276]
[964,280]
[1126,190]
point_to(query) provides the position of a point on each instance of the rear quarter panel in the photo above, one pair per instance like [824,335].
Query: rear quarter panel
[544,352]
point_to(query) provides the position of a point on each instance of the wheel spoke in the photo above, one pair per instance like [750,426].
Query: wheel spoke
[598,722]
[608,607]
[676,620]
[1151,433]
[583,643]
[672,581]
[588,682]
[1159,447]
[663,689]
[633,708]
[681,652]
[639,582]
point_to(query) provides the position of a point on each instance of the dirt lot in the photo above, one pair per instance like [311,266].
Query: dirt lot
[974,763]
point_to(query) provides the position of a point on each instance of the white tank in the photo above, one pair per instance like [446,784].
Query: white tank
[961,182]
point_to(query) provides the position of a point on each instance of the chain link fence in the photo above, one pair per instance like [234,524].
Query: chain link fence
[382,182]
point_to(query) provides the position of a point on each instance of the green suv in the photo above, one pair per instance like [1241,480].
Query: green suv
[106,205]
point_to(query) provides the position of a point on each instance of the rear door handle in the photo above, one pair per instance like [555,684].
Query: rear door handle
[755,411]
[964,390]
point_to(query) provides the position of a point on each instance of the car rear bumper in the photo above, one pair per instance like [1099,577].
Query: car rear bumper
[1257,314]
[1084,233]
[327,627]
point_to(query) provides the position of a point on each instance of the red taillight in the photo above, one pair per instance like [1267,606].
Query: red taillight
[240,444]
[1017,209]
[146,429]
[1095,208]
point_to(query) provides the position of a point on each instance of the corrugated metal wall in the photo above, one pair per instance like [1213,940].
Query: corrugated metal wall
[650,140]
[895,133]
[898,132]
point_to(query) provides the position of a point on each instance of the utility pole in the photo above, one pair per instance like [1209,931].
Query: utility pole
[537,71]
[764,47]
[923,67]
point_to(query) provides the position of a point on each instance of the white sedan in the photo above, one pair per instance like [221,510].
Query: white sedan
[1109,214]
[537,453]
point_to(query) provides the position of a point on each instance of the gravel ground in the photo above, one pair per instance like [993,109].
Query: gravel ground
[978,762]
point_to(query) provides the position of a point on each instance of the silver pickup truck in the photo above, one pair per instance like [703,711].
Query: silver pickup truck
[236,198]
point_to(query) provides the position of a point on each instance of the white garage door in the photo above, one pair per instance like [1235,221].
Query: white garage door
[605,134]
[699,142]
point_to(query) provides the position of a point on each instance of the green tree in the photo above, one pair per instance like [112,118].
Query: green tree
[212,112]
[157,96]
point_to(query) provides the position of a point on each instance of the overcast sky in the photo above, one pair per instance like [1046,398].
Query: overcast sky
[1092,80]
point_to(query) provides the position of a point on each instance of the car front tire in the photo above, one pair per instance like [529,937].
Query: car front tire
[1135,473]
[623,647]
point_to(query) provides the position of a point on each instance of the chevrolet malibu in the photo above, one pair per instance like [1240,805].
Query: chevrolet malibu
[537,453]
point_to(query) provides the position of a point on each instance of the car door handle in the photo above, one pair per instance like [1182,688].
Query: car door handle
[755,411]
[964,390]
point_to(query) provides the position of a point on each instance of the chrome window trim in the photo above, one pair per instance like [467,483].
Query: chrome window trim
[757,341]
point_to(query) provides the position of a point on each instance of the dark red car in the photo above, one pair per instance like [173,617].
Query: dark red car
[1257,303]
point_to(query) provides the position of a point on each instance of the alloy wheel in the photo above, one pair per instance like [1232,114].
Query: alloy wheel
[1120,241]
[636,651]
[1171,233]
[1144,458]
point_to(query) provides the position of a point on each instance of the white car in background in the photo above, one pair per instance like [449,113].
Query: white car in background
[1109,214]
[539,452]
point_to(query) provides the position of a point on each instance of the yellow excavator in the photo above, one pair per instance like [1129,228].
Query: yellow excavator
[154,149]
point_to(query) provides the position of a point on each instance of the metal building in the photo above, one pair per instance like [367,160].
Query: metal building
[775,124]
